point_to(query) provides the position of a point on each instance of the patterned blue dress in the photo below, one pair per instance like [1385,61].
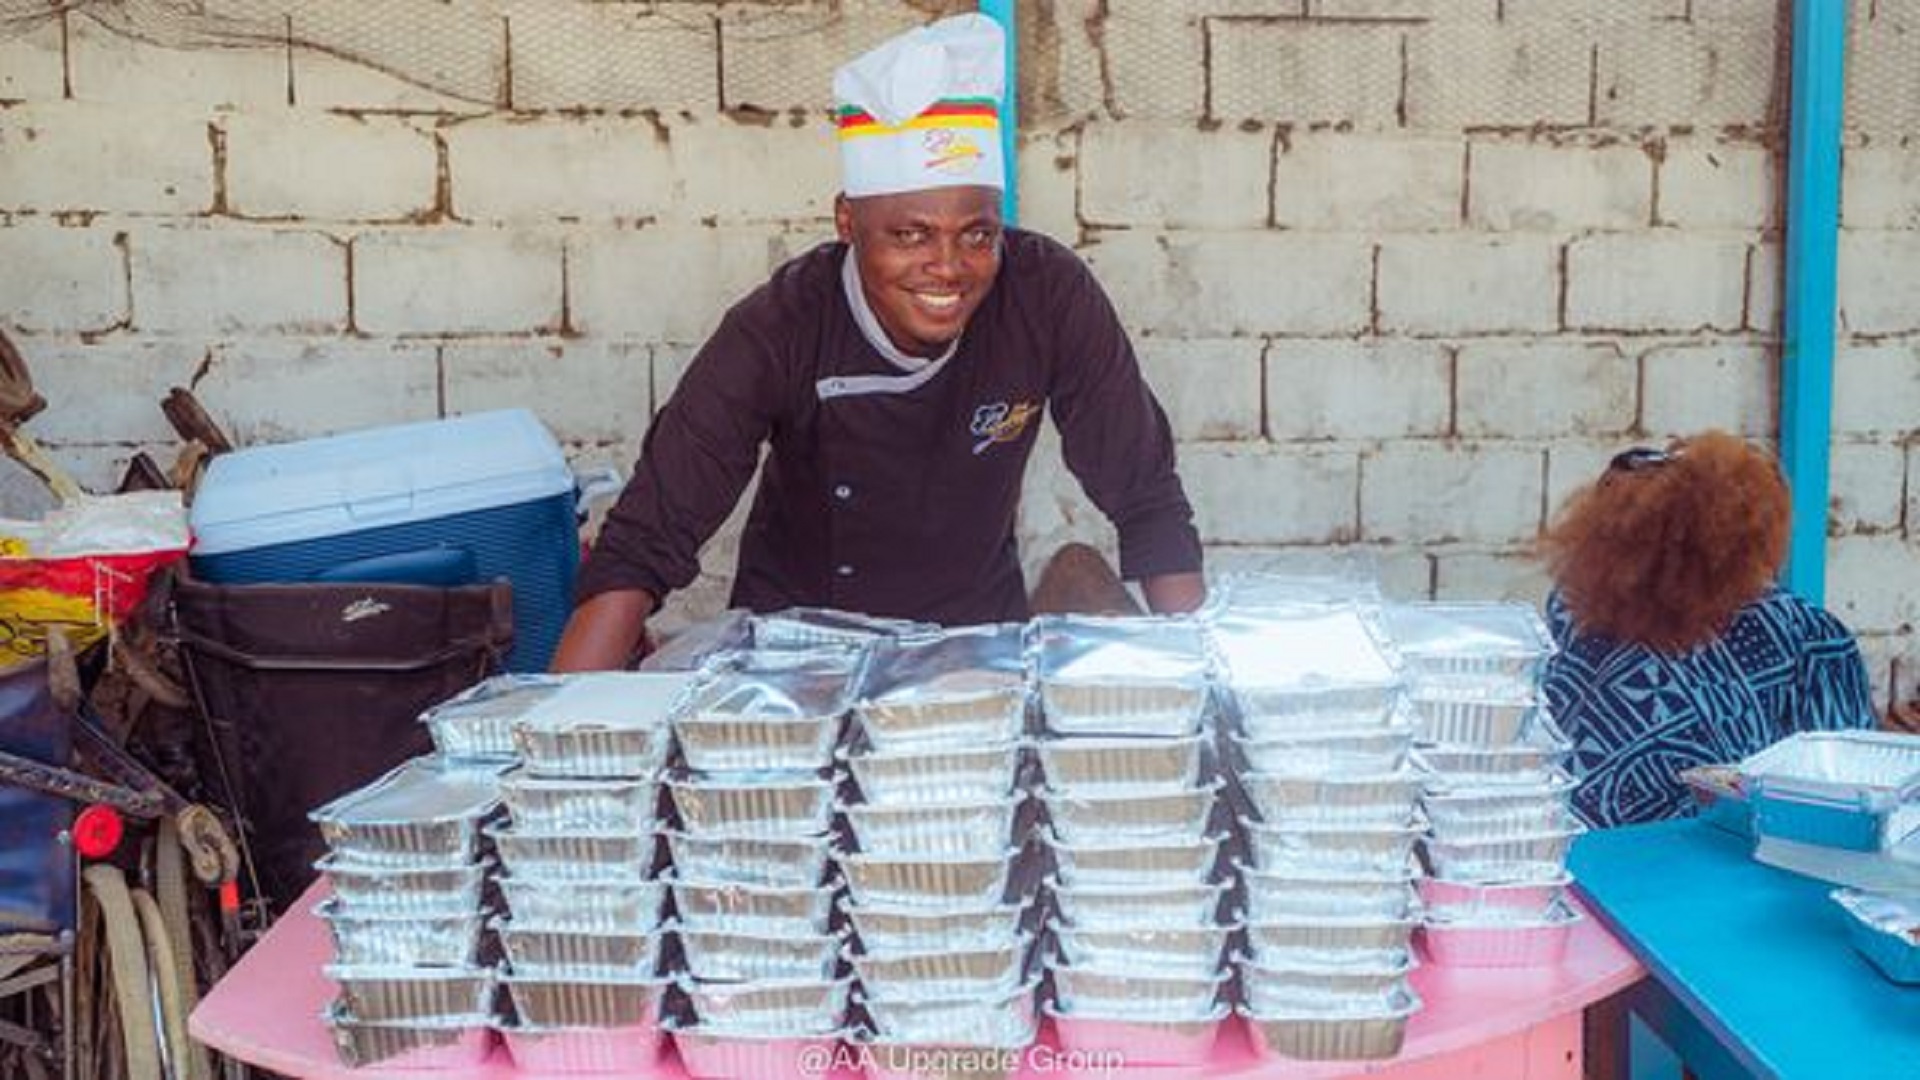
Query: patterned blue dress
[1638,717]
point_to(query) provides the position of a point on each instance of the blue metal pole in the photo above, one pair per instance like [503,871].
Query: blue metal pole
[1812,258]
[1002,11]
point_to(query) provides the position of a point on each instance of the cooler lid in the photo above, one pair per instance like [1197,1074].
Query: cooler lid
[288,492]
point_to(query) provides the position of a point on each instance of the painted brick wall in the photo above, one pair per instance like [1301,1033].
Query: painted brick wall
[1407,271]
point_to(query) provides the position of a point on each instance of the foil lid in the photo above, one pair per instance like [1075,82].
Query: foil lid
[1266,590]
[1887,913]
[698,643]
[1075,648]
[804,627]
[1445,631]
[503,698]
[972,661]
[1304,650]
[422,790]
[744,696]
[612,699]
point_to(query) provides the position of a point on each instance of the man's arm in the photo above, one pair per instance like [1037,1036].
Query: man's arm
[1174,594]
[603,633]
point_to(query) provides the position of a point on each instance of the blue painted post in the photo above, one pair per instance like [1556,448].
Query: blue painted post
[1002,11]
[1812,257]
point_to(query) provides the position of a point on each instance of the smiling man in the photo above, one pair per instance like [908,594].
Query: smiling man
[897,378]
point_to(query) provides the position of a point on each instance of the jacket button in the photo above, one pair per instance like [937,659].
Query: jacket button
[843,492]
[843,570]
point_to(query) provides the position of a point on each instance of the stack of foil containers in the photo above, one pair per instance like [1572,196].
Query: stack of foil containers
[1497,795]
[936,858]
[1131,789]
[1328,799]
[754,794]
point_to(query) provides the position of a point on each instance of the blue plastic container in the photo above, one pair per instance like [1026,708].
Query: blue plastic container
[444,502]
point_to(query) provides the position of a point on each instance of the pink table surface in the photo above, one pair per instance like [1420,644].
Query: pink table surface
[1511,1023]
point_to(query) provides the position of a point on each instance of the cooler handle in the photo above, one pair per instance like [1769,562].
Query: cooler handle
[595,485]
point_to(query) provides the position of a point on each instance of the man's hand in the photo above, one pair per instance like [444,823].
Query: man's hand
[1174,594]
[604,633]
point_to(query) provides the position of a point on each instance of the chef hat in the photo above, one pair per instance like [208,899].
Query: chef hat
[923,110]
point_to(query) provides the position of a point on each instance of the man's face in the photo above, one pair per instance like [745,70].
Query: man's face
[926,259]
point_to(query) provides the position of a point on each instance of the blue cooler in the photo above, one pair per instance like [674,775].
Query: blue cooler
[444,502]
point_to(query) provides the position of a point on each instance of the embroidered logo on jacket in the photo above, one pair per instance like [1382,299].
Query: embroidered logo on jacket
[1001,423]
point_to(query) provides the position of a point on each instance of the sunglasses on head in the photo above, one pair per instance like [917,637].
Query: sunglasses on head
[1640,457]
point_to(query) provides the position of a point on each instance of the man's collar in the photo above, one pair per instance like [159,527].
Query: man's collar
[869,323]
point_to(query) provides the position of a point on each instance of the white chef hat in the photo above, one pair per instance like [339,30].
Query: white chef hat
[923,110]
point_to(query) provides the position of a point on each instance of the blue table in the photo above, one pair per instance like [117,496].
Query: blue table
[1752,973]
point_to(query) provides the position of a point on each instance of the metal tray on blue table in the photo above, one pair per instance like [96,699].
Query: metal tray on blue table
[1855,790]
[1886,930]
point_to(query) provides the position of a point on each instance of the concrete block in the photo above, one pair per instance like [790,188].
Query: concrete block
[1866,487]
[1656,281]
[1358,389]
[1627,12]
[1155,60]
[1363,183]
[359,56]
[1876,389]
[1763,289]
[776,57]
[1883,82]
[33,63]
[1873,583]
[456,281]
[1727,385]
[1468,284]
[1196,179]
[1893,666]
[1719,186]
[1514,577]
[1419,10]
[588,391]
[71,156]
[1209,389]
[1223,284]
[1436,493]
[298,163]
[1880,188]
[710,158]
[1255,496]
[670,283]
[1545,390]
[1468,75]
[61,280]
[1515,186]
[1403,573]
[265,390]
[1573,464]
[613,56]
[1298,72]
[1668,74]
[108,66]
[573,168]
[1049,179]
[223,279]
[1060,62]
[106,390]
[1879,292]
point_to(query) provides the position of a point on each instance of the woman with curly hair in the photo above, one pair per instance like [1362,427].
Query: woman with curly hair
[1677,647]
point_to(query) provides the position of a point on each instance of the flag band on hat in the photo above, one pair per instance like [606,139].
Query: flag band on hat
[855,122]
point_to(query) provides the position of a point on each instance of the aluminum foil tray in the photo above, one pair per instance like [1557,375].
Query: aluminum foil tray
[799,1006]
[1535,759]
[1340,581]
[571,856]
[897,928]
[1384,799]
[583,1049]
[392,890]
[958,687]
[1476,641]
[1121,766]
[584,1000]
[477,723]
[387,994]
[1316,849]
[1501,943]
[723,955]
[1123,709]
[1719,798]
[752,722]
[1313,668]
[1114,818]
[925,775]
[795,808]
[446,938]
[1855,790]
[762,909]
[814,628]
[750,860]
[560,953]
[970,1020]
[548,805]
[1136,862]
[1269,712]
[1468,716]
[1137,1040]
[1349,985]
[1476,815]
[1286,895]
[984,717]
[984,971]
[1330,753]
[1538,857]
[1195,951]
[946,883]
[1330,940]
[424,813]
[708,1052]
[1094,649]
[1332,1035]
[584,904]
[974,828]
[1132,993]
[1491,901]
[605,724]
[447,1043]
[1886,930]
[1112,907]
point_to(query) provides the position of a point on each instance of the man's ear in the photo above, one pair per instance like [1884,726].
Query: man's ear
[843,218]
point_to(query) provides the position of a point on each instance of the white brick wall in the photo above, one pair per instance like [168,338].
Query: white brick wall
[1688,388]
[197,280]
[1468,284]
[596,170]
[456,281]
[62,278]
[1877,389]
[1655,282]
[1534,390]
[1879,292]
[668,284]
[1267,496]
[1185,284]
[260,389]
[1446,492]
[1363,183]
[1868,487]
[1352,389]
[1529,186]
[1306,73]
[1719,187]
[1209,389]
[1200,180]
[68,156]
[300,164]
[594,392]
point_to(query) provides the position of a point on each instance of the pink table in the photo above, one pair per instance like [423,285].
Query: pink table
[1519,1024]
